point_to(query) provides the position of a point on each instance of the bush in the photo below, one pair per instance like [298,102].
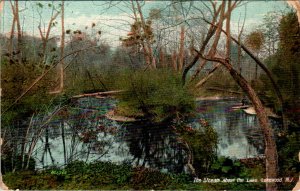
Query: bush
[156,95]
[203,144]
[227,167]
[11,163]
[108,176]
[15,79]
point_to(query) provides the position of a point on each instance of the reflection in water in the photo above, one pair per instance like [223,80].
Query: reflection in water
[87,135]
[155,146]
[237,131]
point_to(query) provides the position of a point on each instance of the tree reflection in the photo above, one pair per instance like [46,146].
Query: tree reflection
[155,146]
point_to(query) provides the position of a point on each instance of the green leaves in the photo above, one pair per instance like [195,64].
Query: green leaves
[203,144]
[225,169]
[229,168]
[158,95]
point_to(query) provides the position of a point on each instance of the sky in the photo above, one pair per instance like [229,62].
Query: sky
[114,18]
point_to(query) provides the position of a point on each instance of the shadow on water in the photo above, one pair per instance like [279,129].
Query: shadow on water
[155,146]
[85,134]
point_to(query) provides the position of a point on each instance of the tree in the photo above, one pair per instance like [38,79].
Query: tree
[141,28]
[270,145]
[284,65]
[269,28]
[16,20]
[255,41]
[137,36]
[62,47]
[46,34]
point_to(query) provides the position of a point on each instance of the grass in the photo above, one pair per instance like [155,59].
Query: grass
[109,176]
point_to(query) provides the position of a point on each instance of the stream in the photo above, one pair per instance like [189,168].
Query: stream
[86,134]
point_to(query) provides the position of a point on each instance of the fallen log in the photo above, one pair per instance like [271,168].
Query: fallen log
[113,116]
[270,113]
[240,107]
[224,90]
[99,94]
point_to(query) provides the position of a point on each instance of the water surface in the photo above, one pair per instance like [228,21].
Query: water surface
[89,136]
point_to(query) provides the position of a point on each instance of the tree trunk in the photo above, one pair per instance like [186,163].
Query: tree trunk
[269,139]
[266,70]
[62,46]
[181,49]
[270,144]
[212,30]
[19,35]
[145,50]
[213,49]
[63,140]
[228,40]
[11,38]
[148,44]
[24,144]
[46,37]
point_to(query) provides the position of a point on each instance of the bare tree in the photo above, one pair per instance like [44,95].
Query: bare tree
[145,42]
[45,35]
[255,41]
[181,49]
[62,47]
[16,20]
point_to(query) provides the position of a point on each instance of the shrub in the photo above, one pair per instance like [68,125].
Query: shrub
[156,95]
[203,144]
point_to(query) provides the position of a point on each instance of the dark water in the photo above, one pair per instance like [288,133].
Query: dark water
[239,133]
[89,136]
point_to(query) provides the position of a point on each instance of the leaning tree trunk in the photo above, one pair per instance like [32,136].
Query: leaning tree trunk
[270,144]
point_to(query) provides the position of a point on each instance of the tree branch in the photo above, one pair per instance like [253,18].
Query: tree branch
[41,77]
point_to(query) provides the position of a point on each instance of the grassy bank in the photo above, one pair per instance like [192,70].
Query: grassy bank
[109,176]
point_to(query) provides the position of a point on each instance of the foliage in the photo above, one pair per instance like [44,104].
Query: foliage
[288,149]
[203,143]
[138,34]
[269,28]
[96,175]
[225,166]
[108,176]
[157,95]
[15,79]
[88,70]
[255,40]
[285,68]
[226,81]
[13,163]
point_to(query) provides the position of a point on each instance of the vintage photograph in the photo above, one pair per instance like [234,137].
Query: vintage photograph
[150,95]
